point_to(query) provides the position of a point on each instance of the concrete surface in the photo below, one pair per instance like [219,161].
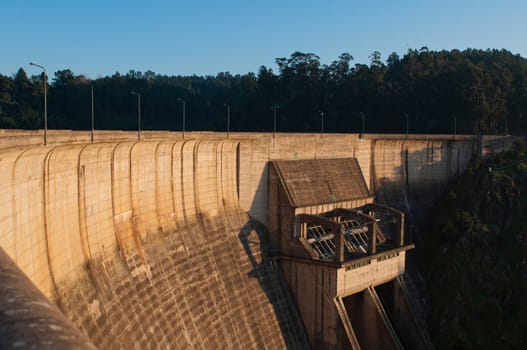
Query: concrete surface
[148,244]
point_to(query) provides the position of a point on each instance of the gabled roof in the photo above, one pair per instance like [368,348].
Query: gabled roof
[321,181]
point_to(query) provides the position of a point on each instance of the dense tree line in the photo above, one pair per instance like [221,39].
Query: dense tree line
[476,257]
[479,91]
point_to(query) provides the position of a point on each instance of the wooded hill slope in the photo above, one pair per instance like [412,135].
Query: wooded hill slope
[476,257]
[466,91]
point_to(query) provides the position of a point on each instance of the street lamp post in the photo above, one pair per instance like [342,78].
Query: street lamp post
[92,114]
[228,119]
[45,102]
[138,114]
[274,108]
[183,102]
[322,124]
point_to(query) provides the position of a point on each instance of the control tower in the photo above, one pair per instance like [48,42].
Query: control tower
[335,247]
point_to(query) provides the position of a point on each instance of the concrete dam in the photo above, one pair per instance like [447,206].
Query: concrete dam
[171,243]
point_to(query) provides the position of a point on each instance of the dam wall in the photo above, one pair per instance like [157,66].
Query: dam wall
[398,169]
[148,244]
[410,174]
[144,244]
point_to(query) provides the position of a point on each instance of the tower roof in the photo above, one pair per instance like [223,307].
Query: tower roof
[321,181]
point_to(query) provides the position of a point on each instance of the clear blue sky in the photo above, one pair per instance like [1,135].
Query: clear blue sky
[98,38]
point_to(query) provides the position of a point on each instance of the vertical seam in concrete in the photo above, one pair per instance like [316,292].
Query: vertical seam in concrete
[218,153]
[13,202]
[182,169]
[244,196]
[220,195]
[120,243]
[195,184]
[156,179]
[173,213]
[135,234]
[182,195]
[130,151]
[83,227]
[45,178]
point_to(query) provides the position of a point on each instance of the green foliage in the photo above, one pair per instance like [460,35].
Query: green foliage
[518,149]
[476,251]
[485,90]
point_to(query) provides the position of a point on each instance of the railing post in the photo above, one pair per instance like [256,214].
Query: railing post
[339,245]
[372,237]
[400,233]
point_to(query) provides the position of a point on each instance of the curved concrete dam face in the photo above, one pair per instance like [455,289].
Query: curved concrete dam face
[149,244]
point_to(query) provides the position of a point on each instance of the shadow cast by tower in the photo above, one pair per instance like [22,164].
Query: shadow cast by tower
[256,244]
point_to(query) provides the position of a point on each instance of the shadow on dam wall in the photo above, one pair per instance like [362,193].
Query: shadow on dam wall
[256,243]
[148,244]
[411,175]
[143,245]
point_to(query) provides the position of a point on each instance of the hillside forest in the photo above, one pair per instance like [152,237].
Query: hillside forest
[476,256]
[465,92]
